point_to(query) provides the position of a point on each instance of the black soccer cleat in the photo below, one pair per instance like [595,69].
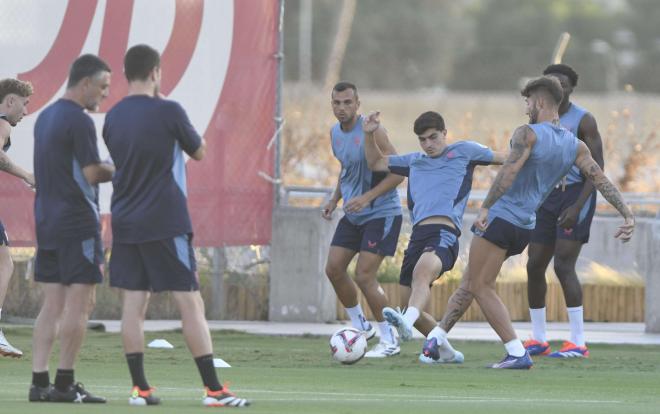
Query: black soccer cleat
[75,394]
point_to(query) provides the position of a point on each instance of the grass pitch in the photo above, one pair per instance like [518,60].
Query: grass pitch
[297,375]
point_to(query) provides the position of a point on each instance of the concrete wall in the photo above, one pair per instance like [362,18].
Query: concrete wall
[299,289]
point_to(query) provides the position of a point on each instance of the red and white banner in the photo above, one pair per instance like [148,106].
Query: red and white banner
[217,61]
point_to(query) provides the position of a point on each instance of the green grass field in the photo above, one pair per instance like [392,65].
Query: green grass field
[297,375]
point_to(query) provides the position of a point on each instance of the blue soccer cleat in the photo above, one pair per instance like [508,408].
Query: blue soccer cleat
[570,350]
[431,354]
[535,347]
[512,362]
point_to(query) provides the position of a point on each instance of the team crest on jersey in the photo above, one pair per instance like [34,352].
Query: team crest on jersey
[451,154]
[356,140]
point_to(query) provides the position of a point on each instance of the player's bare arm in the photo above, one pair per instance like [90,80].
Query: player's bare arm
[6,164]
[376,160]
[499,157]
[200,152]
[593,172]
[331,204]
[521,146]
[390,182]
[588,132]
[98,173]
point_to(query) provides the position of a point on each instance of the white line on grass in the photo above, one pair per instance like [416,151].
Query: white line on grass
[348,396]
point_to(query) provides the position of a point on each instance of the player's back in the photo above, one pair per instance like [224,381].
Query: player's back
[145,137]
[552,156]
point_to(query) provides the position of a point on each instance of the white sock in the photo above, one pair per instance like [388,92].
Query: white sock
[0,313]
[386,334]
[444,347]
[515,348]
[538,323]
[411,315]
[357,317]
[576,320]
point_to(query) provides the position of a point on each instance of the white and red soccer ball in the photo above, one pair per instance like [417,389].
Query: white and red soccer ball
[348,345]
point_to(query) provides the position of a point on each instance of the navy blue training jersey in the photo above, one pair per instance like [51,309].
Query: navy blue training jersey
[146,138]
[66,205]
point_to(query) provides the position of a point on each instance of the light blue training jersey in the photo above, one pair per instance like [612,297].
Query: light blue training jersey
[440,186]
[356,178]
[571,121]
[552,156]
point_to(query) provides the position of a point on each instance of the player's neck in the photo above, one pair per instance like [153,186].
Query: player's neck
[348,126]
[564,107]
[75,94]
[141,88]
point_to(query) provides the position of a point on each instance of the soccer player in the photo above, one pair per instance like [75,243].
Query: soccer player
[152,233]
[69,252]
[14,98]
[542,153]
[371,224]
[562,227]
[439,184]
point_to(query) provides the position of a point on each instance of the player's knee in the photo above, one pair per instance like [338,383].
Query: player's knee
[564,269]
[535,270]
[333,271]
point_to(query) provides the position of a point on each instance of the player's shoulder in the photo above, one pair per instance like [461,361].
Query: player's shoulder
[5,128]
[467,146]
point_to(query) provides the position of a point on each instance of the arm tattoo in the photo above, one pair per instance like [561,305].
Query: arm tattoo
[605,186]
[520,145]
[458,304]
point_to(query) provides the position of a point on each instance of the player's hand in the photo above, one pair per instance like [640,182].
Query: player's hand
[481,223]
[568,217]
[625,231]
[328,208]
[29,181]
[356,204]
[371,122]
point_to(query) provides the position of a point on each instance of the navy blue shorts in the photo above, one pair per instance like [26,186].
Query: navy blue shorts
[71,262]
[505,235]
[438,238]
[4,239]
[378,236]
[547,231]
[157,266]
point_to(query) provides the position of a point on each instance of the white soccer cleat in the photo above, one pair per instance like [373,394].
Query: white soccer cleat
[6,349]
[383,350]
[396,319]
[369,331]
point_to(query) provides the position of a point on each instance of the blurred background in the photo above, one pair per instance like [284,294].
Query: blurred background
[467,59]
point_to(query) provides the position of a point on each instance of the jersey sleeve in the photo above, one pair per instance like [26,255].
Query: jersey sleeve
[478,153]
[85,148]
[400,164]
[185,133]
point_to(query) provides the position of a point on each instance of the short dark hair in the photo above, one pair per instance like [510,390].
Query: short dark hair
[342,86]
[86,66]
[549,84]
[139,61]
[428,120]
[564,70]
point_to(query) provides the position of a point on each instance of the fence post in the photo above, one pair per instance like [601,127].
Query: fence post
[218,283]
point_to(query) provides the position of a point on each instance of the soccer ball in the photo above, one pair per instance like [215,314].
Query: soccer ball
[348,345]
